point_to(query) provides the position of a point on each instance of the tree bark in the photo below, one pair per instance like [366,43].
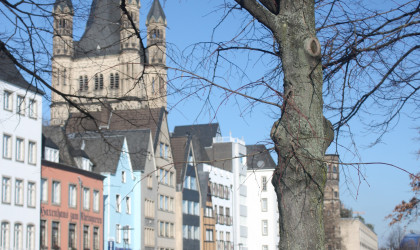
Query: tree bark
[302,134]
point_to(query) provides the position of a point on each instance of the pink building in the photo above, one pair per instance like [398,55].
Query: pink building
[71,207]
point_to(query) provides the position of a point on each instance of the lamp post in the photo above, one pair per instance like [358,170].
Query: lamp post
[80,213]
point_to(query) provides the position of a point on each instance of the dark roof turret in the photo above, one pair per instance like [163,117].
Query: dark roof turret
[155,13]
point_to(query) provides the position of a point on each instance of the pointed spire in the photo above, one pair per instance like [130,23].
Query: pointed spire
[62,4]
[155,13]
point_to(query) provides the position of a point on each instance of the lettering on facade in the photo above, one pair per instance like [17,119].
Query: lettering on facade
[91,218]
[57,213]
[74,216]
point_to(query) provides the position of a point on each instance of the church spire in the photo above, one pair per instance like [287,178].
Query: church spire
[156,14]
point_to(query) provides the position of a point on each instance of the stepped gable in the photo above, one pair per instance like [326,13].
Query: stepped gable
[256,153]
[202,137]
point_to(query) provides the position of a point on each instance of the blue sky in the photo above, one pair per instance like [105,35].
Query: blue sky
[190,22]
[375,197]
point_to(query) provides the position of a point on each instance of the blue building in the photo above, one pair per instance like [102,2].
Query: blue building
[121,157]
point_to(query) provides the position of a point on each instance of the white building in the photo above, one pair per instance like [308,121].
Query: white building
[221,191]
[356,235]
[262,199]
[20,161]
[229,153]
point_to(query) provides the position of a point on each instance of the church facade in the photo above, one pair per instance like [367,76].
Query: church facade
[109,66]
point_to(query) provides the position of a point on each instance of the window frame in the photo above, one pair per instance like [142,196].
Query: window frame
[56,194]
[7,146]
[6,190]
[72,196]
[31,194]
[8,100]
[32,152]
[20,105]
[19,193]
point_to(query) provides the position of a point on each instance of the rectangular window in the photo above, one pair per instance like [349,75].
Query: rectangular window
[127,238]
[185,206]
[171,204]
[32,152]
[7,101]
[196,208]
[166,177]
[209,235]
[264,247]
[95,238]
[161,228]
[167,229]
[72,236]
[32,109]
[161,152]
[86,237]
[166,152]
[96,200]
[264,224]
[72,195]
[166,203]
[264,204]
[6,189]
[43,234]
[171,179]
[19,192]
[185,231]
[123,176]
[55,235]
[5,236]
[18,236]
[20,149]
[30,237]
[187,182]
[31,194]
[190,207]
[56,192]
[44,190]
[193,185]
[128,205]
[20,105]
[197,233]
[118,203]
[264,183]
[7,146]
[150,181]
[86,198]
[161,202]
[117,234]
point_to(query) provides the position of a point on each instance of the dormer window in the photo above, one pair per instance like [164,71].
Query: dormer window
[86,164]
[51,154]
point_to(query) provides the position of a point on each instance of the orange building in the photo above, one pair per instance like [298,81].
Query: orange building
[71,208]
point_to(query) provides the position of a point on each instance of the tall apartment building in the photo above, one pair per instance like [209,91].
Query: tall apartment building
[20,161]
[229,153]
[262,199]
[226,156]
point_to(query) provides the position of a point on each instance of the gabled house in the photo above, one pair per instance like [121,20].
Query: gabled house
[155,120]
[126,159]
[71,196]
[188,194]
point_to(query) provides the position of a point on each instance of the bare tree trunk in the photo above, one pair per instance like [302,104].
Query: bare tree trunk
[302,134]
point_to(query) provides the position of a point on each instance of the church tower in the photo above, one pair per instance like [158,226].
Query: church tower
[332,203]
[63,50]
[108,68]
[156,55]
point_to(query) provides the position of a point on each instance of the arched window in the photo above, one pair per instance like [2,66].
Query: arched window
[111,81]
[101,81]
[58,76]
[161,85]
[81,83]
[334,169]
[117,80]
[64,76]
[86,83]
[96,82]
[153,85]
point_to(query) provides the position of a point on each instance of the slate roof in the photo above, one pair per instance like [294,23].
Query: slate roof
[180,149]
[63,3]
[202,137]
[155,13]
[147,118]
[205,191]
[259,153]
[57,135]
[104,149]
[102,30]
[10,74]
